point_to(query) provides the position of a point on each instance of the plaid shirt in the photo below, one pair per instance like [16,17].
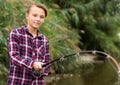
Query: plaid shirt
[23,51]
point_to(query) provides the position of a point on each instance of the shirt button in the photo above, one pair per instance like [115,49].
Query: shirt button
[33,54]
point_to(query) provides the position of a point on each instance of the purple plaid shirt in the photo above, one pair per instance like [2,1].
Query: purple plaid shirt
[23,51]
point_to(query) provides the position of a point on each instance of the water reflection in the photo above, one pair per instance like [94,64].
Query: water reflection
[72,80]
[103,74]
[118,82]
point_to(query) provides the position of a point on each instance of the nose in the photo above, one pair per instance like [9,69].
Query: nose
[38,19]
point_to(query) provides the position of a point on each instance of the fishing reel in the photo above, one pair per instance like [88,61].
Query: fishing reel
[38,74]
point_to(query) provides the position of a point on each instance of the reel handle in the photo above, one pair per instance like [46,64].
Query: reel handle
[37,74]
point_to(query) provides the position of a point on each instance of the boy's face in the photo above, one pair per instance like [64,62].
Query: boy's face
[35,17]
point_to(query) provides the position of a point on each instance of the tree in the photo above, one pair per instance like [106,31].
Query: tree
[97,21]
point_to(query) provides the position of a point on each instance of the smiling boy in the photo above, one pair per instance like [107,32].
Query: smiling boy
[29,49]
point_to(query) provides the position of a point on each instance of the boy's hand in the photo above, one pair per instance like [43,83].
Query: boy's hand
[38,66]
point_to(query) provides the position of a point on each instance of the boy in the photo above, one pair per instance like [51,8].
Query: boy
[29,49]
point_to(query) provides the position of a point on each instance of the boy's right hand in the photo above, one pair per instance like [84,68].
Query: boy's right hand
[37,66]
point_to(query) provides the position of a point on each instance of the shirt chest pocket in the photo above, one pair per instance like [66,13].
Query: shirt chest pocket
[41,51]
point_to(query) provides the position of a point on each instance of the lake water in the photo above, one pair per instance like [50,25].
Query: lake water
[102,74]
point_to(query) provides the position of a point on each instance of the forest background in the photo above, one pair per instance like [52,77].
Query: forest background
[71,26]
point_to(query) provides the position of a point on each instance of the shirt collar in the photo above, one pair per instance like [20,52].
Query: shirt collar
[39,34]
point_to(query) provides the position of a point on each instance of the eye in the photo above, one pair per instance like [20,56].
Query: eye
[42,16]
[35,15]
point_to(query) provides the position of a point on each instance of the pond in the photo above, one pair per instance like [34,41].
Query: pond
[103,74]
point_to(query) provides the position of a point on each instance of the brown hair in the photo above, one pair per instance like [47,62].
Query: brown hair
[39,5]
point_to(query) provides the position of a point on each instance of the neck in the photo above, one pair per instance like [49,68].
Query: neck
[32,31]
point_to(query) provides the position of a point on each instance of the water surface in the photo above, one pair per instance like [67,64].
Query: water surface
[102,74]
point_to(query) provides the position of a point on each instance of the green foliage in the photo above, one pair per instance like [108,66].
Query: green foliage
[3,51]
[98,22]
[4,60]
[63,39]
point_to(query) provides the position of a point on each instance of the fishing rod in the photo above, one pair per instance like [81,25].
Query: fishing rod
[37,73]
